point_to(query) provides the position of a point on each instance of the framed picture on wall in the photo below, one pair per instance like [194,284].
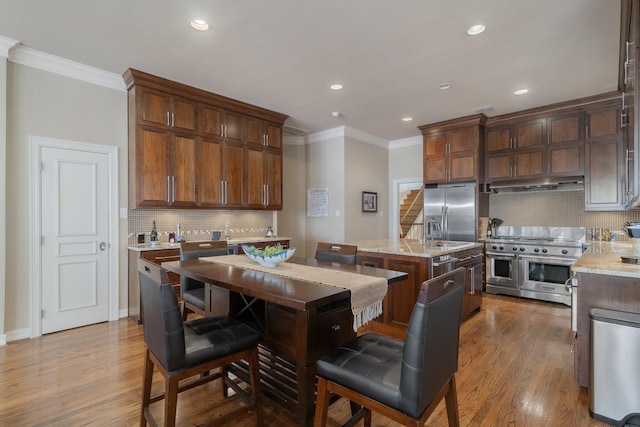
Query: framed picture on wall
[369,201]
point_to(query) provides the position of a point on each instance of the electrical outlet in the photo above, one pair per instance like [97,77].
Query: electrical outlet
[124,212]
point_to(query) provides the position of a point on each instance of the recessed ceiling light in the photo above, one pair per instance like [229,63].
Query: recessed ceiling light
[199,24]
[336,114]
[407,119]
[336,86]
[476,30]
[521,91]
[444,86]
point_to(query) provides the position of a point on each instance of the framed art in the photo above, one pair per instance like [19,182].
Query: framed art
[369,201]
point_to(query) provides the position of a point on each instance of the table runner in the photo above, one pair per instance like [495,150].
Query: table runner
[367,292]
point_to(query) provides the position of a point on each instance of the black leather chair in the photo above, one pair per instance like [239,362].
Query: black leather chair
[182,350]
[403,381]
[192,291]
[344,254]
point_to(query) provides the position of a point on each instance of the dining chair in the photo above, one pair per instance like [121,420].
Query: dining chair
[190,351]
[402,380]
[191,290]
[344,254]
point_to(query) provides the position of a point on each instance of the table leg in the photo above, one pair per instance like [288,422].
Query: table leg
[306,393]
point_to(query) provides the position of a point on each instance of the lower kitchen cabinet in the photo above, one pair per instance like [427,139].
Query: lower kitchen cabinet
[472,260]
[402,296]
[156,256]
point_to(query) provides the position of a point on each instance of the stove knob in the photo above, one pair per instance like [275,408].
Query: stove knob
[564,252]
[536,250]
[544,251]
[521,249]
[514,248]
[495,247]
[502,248]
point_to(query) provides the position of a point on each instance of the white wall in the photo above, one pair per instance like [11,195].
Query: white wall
[292,218]
[405,165]
[46,104]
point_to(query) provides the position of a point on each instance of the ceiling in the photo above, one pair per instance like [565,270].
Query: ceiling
[389,56]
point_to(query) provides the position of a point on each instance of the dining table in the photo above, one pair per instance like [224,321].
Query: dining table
[299,319]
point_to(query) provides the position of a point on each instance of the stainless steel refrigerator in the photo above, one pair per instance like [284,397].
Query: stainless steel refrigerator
[450,213]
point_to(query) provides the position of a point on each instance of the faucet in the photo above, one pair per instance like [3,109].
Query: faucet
[226,230]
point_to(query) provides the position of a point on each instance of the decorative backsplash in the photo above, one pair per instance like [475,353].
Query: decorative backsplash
[554,208]
[198,224]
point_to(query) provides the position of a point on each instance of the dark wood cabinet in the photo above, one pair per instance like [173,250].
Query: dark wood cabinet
[472,260]
[552,146]
[401,296]
[188,148]
[453,150]
[221,173]
[264,178]
[606,174]
[165,168]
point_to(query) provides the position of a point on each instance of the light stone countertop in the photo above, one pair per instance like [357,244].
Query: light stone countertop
[239,241]
[604,258]
[413,247]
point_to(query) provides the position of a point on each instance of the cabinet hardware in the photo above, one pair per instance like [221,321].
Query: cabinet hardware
[168,193]
[267,138]
[628,160]
[173,185]
[167,121]
[226,192]
[586,131]
[221,191]
[623,119]
[173,120]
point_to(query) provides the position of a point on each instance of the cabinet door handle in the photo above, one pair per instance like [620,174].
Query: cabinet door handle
[173,120]
[267,138]
[167,121]
[226,192]
[173,185]
[221,198]
[168,192]
[221,130]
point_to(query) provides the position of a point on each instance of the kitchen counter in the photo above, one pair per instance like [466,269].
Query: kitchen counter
[411,247]
[604,258]
[239,241]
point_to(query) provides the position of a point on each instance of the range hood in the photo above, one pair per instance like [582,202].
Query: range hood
[567,183]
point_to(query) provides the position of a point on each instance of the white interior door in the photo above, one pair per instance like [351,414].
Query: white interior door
[75,238]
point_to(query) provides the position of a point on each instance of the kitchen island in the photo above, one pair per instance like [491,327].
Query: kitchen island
[422,262]
[603,281]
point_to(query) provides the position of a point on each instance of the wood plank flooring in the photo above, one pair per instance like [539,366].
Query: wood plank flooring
[515,369]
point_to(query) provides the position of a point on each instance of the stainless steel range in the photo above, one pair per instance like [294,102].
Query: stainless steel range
[533,262]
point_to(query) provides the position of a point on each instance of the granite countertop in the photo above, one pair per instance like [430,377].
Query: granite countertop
[413,247]
[239,241]
[604,258]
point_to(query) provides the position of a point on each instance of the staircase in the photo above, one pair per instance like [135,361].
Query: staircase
[411,211]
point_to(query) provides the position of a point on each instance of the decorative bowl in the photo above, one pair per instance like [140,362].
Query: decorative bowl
[268,260]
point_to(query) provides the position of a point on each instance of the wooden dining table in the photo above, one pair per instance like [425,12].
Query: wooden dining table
[299,321]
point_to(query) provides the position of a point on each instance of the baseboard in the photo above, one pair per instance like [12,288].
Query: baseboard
[19,334]
[123,313]
[3,339]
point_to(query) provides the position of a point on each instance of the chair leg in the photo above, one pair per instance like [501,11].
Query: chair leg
[170,401]
[451,399]
[147,377]
[254,366]
[322,404]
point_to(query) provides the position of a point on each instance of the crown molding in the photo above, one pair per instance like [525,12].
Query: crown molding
[346,132]
[293,140]
[405,142]
[44,61]
[6,44]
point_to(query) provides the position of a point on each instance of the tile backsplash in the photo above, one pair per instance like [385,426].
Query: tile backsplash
[554,208]
[198,224]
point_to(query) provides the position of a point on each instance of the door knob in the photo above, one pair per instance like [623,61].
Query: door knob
[103,246]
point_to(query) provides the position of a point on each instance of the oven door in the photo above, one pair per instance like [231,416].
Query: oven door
[545,277]
[502,270]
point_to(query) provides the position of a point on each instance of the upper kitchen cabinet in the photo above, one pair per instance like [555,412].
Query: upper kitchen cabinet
[165,168]
[538,148]
[264,178]
[188,148]
[161,109]
[606,175]
[453,151]
[263,133]
[220,123]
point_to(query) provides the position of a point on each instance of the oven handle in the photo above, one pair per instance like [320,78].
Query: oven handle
[500,255]
[567,285]
[561,261]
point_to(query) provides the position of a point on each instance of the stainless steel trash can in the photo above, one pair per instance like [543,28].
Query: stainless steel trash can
[614,385]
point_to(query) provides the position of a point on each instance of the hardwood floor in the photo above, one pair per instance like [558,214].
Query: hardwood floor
[515,369]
